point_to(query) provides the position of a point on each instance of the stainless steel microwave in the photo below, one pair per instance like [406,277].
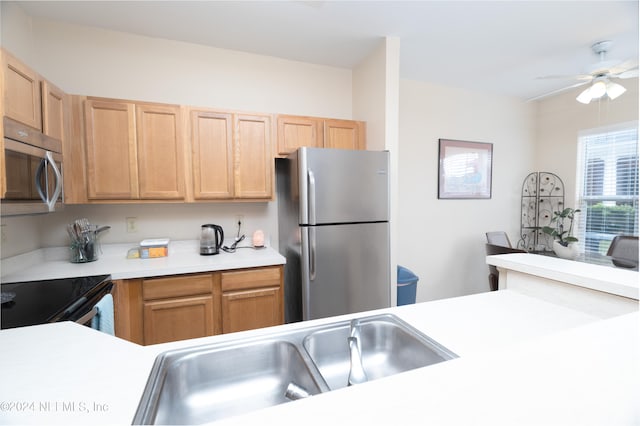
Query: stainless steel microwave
[33,171]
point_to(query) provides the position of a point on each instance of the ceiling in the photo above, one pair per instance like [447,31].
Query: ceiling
[492,46]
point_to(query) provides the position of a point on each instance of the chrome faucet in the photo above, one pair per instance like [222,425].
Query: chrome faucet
[356,372]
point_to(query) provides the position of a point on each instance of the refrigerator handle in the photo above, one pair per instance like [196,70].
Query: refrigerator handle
[312,197]
[312,253]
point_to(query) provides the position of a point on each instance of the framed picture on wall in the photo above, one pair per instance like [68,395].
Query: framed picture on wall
[464,169]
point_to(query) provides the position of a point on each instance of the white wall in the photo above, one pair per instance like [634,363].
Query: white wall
[442,241]
[96,62]
[376,97]
[92,61]
[175,221]
[559,120]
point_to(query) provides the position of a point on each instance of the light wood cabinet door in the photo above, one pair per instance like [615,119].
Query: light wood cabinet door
[253,158]
[21,90]
[177,286]
[112,164]
[212,155]
[160,152]
[178,319]
[344,134]
[250,309]
[295,132]
[53,111]
[252,298]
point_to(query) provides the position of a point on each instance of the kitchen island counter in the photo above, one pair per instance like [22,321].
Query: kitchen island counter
[522,360]
[183,258]
[604,291]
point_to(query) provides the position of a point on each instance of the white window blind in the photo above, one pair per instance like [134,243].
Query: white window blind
[607,187]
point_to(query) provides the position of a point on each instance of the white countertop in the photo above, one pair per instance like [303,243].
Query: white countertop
[618,281]
[184,258]
[522,360]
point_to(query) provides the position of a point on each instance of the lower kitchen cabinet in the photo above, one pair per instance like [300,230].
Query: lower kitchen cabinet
[252,299]
[165,309]
[178,319]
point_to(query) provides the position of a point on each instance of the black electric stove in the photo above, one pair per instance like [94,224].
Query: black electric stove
[41,302]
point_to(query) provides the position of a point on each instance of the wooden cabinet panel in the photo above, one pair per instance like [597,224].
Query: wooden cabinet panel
[128,313]
[250,278]
[250,309]
[177,286]
[53,111]
[253,156]
[344,134]
[295,132]
[252,298]
[21,88]
[164,309]
[178,319]
[75,177]
[112,170]
[160,152]
[212,155]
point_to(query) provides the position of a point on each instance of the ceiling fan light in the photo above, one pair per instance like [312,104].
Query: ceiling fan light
[585,96]
[598,89]
[614,90]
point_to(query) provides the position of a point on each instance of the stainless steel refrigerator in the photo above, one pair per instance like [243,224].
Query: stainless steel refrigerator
[333,218]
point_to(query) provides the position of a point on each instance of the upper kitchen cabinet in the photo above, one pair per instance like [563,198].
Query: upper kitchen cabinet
[160,152]
[21,89]
[344,134]
[231,155]
[112,163]
[253,157]
[134,151]
[297,131]
[212,154]
[53,111]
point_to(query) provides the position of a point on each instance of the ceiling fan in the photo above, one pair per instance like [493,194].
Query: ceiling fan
[599,76]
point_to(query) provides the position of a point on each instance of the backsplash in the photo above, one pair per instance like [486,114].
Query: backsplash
[175,221]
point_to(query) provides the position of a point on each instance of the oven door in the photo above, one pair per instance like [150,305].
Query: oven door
[83,310]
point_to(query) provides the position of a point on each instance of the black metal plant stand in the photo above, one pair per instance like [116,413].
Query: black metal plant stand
[542,194]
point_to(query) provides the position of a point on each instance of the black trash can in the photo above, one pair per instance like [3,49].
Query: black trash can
[407,285]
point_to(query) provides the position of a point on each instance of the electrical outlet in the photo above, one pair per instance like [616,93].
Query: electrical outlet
[132,224]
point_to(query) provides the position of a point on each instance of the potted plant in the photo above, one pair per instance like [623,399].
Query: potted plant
[564,242]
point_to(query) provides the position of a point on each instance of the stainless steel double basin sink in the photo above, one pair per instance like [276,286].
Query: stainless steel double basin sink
[206,383]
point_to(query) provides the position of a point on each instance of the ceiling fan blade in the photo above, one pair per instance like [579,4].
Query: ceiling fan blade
[557,91]
[627,74]
[624,66]
[581,77]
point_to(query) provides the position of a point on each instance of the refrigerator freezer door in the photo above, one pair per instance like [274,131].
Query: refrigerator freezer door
[345,269]
[343,186]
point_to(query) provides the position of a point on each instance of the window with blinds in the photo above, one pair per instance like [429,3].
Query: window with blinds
[607,187]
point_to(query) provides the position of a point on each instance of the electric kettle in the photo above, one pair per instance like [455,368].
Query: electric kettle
[211,238]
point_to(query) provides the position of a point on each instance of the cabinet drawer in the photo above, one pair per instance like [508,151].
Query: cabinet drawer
[250,278]
[177,286]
